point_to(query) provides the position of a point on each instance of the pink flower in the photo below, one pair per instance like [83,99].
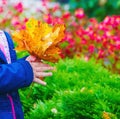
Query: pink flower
[83,41]
[107,20]
[93,21]
[68,36]
[4,2]
[106,43]
[57,20]
[74,24]
[48,18]
[80,31]
[22,27]
[1,9]
[25,19]
[118,46]
[79,13]
[44,3]
[15,21]
[66,15]
[91,48]
[19,7]
[111,48]
[100,54]
[98,39]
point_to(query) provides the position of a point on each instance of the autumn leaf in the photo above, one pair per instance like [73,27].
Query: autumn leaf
[40,39]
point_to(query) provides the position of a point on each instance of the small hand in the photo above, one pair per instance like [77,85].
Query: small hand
[39,69]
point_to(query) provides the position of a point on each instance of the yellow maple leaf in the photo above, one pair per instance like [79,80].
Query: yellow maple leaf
[40,39]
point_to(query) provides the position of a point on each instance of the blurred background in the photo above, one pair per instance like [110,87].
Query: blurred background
[27,8]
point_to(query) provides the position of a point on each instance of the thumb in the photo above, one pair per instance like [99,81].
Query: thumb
[31,58]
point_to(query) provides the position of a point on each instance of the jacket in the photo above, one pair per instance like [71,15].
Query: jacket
[13,76]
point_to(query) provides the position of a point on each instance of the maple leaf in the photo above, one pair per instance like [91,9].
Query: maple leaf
[40,39]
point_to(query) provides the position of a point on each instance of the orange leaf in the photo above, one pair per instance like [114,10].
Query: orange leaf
[40,39]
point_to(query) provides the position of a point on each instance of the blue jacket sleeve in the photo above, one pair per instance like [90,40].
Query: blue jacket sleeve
[15,76]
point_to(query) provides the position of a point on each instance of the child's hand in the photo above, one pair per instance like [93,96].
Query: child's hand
[39,69]
[31,58]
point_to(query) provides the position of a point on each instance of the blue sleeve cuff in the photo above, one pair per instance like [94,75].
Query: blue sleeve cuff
[28,72]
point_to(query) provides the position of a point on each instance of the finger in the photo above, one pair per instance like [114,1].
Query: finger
[37,80]
[31,58]
[44,68]
[36,63]
[43,74]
